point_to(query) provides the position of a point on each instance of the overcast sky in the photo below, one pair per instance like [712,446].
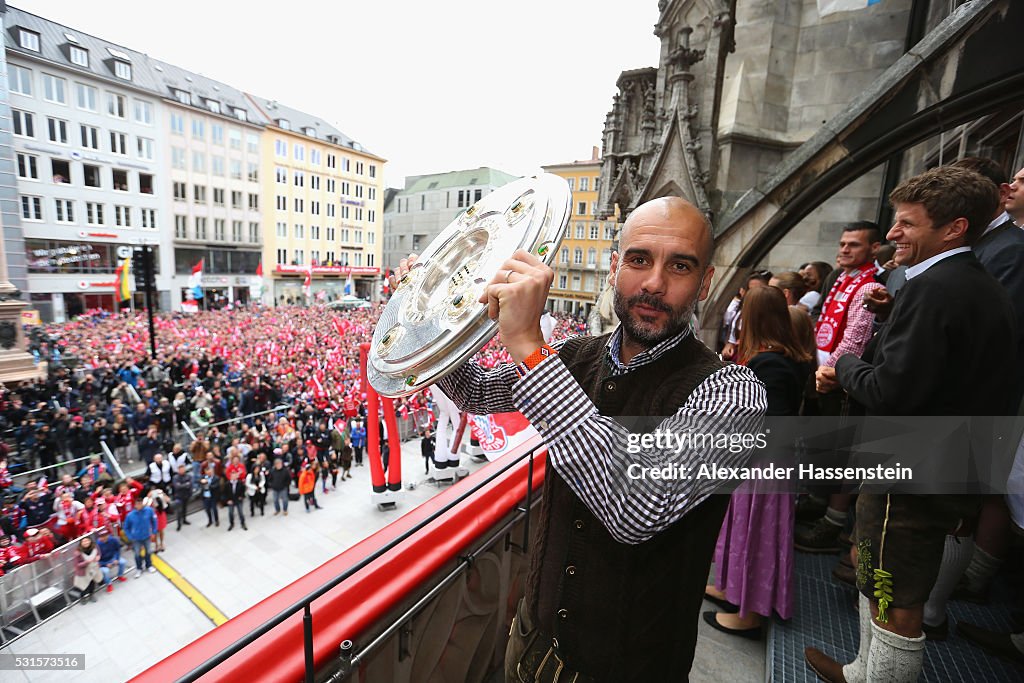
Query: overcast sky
[432,86]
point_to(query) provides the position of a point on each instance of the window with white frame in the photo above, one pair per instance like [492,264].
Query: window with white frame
[572,184]
[371,215]
[281,229]
[198,129]
[23,123]
[118,143]
[358,214]
[218,196]
[565,255]
[178,158]
[58,130]
[28,39]
[123,70]
[314,232]
[20,80]
[234,138]
[330,210]
[606,258]
[144,112]
[252,172]
[359,168]
[86,97]
[591,257]
[218,229]
[344,212]
[577,256]
[314,208]
[299,178]
[180,191]
[282,256]
[299,257]
[300,152]
[314,181]
[240,114]
[94,213]
[254,231]
[31,208]
[199,194]
[280,148]
[281,202]
[298,205]
[144,147]
[181,227]
[236,199]
[594,231]
[581,208]
[200,223]
[217,165]
[216,133]
[54,89]
[330,235]
[373,170]
[314,257]
[149,219]
[281,175]
[28,166]
[563,281]
[182,96]
[609,231]
[64,210]
[371,237]
[344,187]
[213,105]
[79,56]
[116,105]
[177,124]
[198,161]
[579,231]
[122,216]
[584,184]
[314,156]
[252,142]
[236,231]
[332,160]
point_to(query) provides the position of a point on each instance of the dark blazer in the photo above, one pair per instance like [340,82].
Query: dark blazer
[938,353]
[1001,251]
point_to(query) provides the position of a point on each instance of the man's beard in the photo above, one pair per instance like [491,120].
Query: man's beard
[642,333]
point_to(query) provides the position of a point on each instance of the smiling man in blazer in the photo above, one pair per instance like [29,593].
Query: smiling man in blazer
[933,358]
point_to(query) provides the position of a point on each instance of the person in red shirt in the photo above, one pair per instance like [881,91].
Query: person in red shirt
[38,542]
[12,554]
[235,468]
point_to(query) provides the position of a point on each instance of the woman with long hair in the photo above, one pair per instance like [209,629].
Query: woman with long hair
[87,569]
[754,555]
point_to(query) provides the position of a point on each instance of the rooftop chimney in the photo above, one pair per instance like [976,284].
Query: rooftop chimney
[594,154]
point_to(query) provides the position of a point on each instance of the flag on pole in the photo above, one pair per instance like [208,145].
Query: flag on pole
[827,7]
[350,287]
[256,288]
[123,272]
[307,284]
[195,281]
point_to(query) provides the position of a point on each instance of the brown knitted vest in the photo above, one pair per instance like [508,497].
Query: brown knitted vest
[623,612]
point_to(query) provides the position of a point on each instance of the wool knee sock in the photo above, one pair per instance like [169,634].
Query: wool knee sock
[835,516]
[955,557]
[856,671]
[894,658]
[981,570]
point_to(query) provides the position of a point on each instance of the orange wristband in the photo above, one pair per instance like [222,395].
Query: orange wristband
[538,356]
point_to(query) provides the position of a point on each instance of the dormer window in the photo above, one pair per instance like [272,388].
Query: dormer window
[310,131]
[283,124]
[78,56]
[182,96]
[28,39]
[240,114]
[213,105]
[122,70]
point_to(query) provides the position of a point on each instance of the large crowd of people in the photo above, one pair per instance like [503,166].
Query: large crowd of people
[241,409]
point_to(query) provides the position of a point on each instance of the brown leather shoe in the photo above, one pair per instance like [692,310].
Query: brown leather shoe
[828,669]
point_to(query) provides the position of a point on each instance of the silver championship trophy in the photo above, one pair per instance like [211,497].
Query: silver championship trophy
[434,321]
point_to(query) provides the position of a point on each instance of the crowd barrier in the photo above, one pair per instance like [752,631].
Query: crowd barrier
[25,590]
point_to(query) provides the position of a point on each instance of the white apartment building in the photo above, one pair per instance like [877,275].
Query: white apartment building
[85,125]
[212,160]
